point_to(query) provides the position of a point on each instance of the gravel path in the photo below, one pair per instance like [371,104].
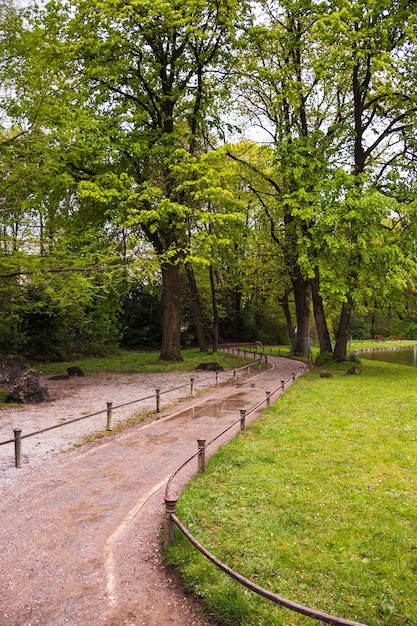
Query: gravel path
[80,532]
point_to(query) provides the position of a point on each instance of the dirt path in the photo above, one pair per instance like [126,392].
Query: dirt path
[80,533]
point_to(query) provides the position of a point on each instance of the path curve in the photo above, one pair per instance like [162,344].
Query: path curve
[80,543]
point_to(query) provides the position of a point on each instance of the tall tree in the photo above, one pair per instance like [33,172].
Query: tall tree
[133,90]
[376,53]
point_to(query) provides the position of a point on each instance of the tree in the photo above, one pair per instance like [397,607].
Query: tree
[133,91]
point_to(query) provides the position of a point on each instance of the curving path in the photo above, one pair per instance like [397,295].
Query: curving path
[80,543]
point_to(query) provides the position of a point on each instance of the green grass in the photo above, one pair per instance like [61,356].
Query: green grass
[127,362]
[316,502]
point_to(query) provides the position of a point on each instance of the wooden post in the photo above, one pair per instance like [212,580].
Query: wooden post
[201,455]
[109,415]
[282,384]
[17,447]
[170,507]
[268,399]
[158,400]
[192,387]
[242,420]
[293,375]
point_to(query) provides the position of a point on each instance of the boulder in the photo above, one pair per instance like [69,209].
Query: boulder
[355,370]
[74,370]
[326,374]
[211,366]
[29,389]
[12,367]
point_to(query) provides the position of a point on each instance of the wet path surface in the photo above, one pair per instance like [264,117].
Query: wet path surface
[80,539]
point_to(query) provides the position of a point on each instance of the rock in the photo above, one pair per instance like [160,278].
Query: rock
[75,371]
[29,389]
[354,370]
[12,367]
[326,374]
[212,366]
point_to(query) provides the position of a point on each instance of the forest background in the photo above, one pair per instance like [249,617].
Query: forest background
[187,173]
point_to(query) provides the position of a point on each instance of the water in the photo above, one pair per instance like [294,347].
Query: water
[403,356]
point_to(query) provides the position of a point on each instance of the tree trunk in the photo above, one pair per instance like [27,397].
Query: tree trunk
[215,311]
[340,350]
[290,328]
[195,299]
[302,310]
[171,313]
[319,315]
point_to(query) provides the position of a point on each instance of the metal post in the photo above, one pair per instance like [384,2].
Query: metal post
[170,508]
[268,399]
[234,373]
[266,358]
[18,447]
[192,387]
[282,384]
[158,400]
[248,369]
[217,378]
[201,455]
[242,419]
[109,415]
[293,375]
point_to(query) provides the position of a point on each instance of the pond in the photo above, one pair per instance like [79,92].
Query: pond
[401,356]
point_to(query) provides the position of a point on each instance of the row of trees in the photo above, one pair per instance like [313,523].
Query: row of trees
[248,155]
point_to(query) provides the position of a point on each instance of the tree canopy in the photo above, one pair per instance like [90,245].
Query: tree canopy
[265,151]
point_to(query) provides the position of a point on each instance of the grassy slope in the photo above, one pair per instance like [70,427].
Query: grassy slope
[316,502]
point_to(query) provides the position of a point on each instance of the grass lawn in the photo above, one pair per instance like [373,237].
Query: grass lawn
[316,502]
[126,362]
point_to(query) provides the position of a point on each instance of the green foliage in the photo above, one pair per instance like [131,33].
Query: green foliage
[324,358]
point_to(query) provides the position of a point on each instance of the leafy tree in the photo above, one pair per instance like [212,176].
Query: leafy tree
[130,89]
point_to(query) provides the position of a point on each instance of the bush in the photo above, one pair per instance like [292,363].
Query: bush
[324,358]
[353,358]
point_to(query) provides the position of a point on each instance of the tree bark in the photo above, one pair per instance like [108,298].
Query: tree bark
[290,328]
[340,349]
[319,315]
[302,309]
[171,313]
[215,311]
[195,300]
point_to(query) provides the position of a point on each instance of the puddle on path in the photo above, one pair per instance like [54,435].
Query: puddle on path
[215,408]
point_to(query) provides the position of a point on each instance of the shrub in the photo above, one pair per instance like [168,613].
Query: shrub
[324,358]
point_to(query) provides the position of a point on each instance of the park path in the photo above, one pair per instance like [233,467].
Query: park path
[80,539]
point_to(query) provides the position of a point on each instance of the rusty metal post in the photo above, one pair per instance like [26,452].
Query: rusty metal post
[17,447]
[158,400]
[170,508]
[268,399]
[109,415]
[242,420]
[201,455]
[192,387]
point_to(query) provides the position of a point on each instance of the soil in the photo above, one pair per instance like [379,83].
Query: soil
[81,530]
